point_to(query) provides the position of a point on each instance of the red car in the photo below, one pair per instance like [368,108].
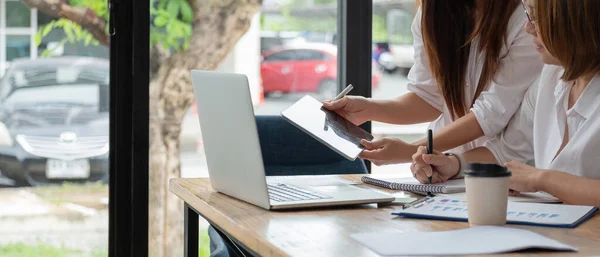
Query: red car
[304,68]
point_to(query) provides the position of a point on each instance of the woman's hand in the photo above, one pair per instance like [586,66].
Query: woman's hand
[387,151]
[356,109]
[437,166]
[524,178]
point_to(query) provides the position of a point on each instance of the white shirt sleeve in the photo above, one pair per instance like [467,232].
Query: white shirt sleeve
[421,81]
[515,143]
[518,69]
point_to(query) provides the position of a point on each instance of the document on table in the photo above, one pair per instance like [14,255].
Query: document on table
[536,214]
[537,197]
[458,242]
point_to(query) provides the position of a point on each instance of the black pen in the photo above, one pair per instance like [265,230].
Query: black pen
[429,150]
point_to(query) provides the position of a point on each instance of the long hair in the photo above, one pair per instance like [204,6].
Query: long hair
[449,28]
[570,32]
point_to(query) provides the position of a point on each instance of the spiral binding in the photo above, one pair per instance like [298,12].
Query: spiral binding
[404,187]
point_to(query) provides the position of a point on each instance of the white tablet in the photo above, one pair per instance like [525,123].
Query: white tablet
[328,127]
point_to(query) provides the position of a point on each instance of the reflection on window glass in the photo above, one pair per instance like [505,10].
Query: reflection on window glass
[54,135]
[289,50]
[18,47]
[17,15]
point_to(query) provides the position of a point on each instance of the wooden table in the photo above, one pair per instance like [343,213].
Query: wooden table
[325,232]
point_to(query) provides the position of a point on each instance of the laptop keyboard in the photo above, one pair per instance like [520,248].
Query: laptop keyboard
[288,193]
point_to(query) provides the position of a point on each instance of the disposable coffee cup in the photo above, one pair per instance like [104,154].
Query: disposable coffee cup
[487,194]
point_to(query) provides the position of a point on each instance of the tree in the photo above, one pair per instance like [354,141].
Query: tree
[186,34]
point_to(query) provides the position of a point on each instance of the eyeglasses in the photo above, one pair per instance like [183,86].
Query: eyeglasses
[529,16]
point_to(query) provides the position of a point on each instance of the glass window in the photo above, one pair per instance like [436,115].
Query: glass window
[54,144]
[271,53]
[17,15]
[393,56]
[17,47]
[287,55]
[310,55]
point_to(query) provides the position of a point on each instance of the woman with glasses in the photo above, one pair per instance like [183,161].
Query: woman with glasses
[473,63]
[557,125]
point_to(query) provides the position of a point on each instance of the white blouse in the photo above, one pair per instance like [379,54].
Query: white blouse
[545,109]
[520,65]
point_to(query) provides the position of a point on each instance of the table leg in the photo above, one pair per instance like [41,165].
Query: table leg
[191,231]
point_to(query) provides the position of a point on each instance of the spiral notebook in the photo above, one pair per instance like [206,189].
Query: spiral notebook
[412,185]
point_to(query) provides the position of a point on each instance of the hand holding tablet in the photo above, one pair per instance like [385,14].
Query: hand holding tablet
[328,127]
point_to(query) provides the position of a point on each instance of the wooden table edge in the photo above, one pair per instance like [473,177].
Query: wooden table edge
[222,221]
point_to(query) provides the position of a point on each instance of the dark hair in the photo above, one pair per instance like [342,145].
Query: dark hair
[449,28]
[570,31]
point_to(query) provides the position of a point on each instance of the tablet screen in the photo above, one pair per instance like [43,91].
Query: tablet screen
[328,127]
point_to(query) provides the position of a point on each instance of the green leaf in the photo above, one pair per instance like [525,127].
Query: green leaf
[38,37]
[47,29]
[162,4]
[160,21]
[78,32]
[173,8]
[186,12]
[88,39]
[69,31]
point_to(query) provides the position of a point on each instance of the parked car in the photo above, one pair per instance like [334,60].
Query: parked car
[384,57]
[54,123]
[271,39]
[306,68]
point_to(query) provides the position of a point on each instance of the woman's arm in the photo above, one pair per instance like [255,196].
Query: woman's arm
[459,132]
[406,109]
[569,188]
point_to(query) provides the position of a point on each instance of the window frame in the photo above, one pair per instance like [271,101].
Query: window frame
[355,44]
[129,128]
[129,108]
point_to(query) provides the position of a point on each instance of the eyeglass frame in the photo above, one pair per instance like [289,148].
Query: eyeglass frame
[526,9]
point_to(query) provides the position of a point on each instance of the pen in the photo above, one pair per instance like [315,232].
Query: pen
[344,92]
[429,148]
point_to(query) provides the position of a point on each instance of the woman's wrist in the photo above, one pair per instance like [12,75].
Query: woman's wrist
[541,179]
[457,163]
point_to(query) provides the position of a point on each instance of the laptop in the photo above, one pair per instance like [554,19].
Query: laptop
[234,157]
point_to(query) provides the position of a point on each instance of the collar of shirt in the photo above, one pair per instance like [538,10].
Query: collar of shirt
[587,103]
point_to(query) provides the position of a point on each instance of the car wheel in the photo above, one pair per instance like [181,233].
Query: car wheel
[22,182]
[328,89]
[390,71]
[405,71]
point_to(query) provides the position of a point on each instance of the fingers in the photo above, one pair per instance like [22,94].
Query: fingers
[417,157]
[421,177]
[515,165]
[371,145]
[513,192]
[373,156]
[335,104]
[436,160]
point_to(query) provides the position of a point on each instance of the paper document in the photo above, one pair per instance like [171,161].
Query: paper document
[553,215]
[458,242]
[538,197]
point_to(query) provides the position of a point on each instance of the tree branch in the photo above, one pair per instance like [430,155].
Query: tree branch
[83,16]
